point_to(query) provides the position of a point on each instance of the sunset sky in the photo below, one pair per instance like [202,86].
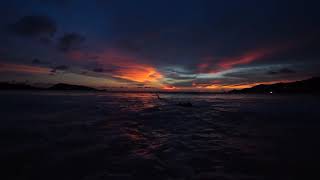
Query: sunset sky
[173,45]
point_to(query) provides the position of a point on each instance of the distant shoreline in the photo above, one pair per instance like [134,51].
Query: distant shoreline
[309,86]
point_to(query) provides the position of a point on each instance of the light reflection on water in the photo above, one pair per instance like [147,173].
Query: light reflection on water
[138,136]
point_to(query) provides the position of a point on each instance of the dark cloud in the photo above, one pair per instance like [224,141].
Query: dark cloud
[106,69]
[60,68]
[246,74]
[185,71]
[182,84]
[282,71]
[34,26]
[70,41]
[177,76]
[38,61]
[234,41]
[98,70]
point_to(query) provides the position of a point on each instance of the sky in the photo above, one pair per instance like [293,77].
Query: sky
[170,45]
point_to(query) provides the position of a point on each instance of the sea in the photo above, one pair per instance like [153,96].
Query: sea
[52,135]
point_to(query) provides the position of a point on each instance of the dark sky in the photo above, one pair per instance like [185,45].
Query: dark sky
[164,44]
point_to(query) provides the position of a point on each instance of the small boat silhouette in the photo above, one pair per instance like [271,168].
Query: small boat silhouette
[183,104]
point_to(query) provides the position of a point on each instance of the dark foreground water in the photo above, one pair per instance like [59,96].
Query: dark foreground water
[88,136]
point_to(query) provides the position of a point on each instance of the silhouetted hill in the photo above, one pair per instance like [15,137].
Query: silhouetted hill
[305,86]
[16,86]
[57,87]
[65,87]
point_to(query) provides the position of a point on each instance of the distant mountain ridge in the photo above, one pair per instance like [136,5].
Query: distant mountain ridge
[311,85]
[56,87]
[16,86]
[62,86]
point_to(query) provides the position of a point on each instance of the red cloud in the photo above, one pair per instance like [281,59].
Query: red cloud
[208,66]
[246,58]
[75,55]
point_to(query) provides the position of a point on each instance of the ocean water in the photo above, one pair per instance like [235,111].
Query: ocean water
[91,136]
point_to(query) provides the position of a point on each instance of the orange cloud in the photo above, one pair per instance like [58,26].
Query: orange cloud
[5,67]
[120,65]
[138,73]
[169,87]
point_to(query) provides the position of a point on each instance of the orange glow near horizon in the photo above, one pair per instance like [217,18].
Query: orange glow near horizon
[237,86]
[123,65]
[128,67]
[135,70]
[169,87]
[138,73]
